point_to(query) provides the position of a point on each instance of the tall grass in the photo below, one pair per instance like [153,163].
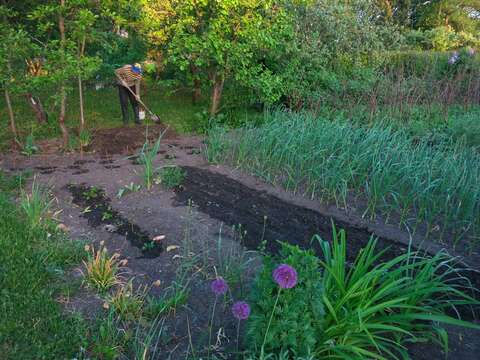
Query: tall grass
[381,170]
[36,204]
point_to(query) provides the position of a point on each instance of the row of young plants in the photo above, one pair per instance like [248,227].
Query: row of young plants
[411,181]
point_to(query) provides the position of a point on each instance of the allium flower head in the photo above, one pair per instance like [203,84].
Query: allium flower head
[285,276]
[241,310]
[219,286]
[454,58]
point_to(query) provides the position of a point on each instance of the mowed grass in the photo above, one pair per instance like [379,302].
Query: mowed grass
[32,263]
[409,181]
[102,110]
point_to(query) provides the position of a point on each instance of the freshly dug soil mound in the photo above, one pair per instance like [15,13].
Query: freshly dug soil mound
[125,139]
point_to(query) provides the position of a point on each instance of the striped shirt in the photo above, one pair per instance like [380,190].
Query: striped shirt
[131,78]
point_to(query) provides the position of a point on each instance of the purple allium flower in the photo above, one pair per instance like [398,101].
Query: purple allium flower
[219,286]
[454,58]
[285,276]
[241,310]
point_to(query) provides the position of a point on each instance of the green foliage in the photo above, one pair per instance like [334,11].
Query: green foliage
[373,308]
[368,309]
[29,147]
[297,320]
[36,205]
[331,160]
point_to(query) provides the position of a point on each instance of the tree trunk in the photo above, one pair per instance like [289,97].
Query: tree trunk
[37,108]
[216,93]
[13,127]
[63,94]
[197,92]
[80,87]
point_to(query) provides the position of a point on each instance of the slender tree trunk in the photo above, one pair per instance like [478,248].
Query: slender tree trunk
[13,127]
[37,108]
[197,92]
[217,91]
[80,88]
[63,93]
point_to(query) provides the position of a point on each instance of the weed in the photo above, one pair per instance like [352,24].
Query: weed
[174,296]
[171,176]
[36,204]
[148,245]
[107,214]
[102,271]
[146,341]
[110,339]
[93,192]
[127,302]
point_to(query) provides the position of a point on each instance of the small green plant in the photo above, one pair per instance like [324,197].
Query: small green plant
[128,302]
[148,245]
[171,176]
[93,192]
[101,270]
[109,339]
[146,340]
[84,138]
[147,156]
[174,296]
[132,187]
[36,204]
[107,214]
[29,148]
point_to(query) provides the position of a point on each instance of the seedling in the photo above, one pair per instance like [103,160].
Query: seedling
[149,245]
[132,187]
[92,193]
[29,148]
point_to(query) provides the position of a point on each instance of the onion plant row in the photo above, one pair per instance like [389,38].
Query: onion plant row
[411,181]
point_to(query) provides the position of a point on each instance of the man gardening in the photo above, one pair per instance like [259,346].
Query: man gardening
[129,78]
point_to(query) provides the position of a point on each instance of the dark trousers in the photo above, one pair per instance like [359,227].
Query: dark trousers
[125,95]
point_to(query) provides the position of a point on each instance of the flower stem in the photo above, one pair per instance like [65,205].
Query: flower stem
[269,323]
[238,334]
[211,326]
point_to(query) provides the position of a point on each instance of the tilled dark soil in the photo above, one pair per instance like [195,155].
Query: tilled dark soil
[98,211]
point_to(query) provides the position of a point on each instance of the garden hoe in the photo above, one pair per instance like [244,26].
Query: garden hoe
[153,116]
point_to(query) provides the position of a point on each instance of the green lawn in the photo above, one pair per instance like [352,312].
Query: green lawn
[102,110]
[32,266]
